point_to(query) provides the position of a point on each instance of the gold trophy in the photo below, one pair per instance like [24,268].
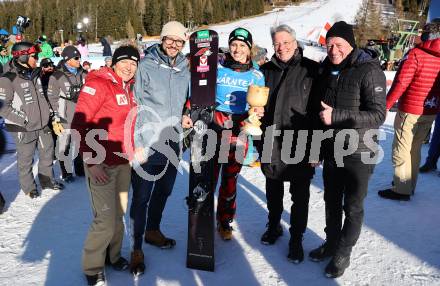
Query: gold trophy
[257,96]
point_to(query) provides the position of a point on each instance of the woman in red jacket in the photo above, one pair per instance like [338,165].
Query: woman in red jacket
[417,87]
[104,104]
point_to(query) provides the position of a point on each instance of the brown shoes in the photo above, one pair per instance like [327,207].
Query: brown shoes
[137,265]
[225,230]
[156,238]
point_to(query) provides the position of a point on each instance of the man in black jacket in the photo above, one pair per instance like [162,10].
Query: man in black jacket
[26,112]
[351,95]
[289,76]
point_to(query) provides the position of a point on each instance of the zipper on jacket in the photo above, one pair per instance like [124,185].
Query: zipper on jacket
[38,101]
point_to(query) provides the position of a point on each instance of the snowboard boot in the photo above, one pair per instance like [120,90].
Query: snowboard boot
[2,203]
[33,194]
[156,238]
[391,195]
[323,252]
[336,267]
[96,280]
[272,234]
[296,251]
[137,265]
[225,230]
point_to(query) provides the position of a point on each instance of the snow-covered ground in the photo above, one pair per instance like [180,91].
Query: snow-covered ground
[41,240]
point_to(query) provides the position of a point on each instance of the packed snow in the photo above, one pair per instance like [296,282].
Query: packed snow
[41,240]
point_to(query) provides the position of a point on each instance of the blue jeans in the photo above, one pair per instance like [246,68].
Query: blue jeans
[151,194]
[434,146]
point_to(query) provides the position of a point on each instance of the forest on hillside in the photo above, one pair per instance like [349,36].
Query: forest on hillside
[120,18]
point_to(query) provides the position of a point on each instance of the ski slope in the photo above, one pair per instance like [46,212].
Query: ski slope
[41,240]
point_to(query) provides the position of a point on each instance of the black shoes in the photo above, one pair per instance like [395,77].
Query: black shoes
[271,235]
[427,167]
[54,185]
[296,251]
[68,178]
[33,194]
[389,194]
[2,203]
[120,265]
[336,267]
[326,250]
[96,280]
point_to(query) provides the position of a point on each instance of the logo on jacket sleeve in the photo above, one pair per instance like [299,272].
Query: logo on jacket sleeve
[121,99]
[89,90]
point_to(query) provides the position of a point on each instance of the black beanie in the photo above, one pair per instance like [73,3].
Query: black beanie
[241,34]
[125,52]
[342,30]
[70,52]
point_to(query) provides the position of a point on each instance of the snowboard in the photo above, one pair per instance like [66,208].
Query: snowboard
[203,62]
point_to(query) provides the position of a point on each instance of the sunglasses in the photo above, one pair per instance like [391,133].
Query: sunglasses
[47,65]
[76,58]
[35,56]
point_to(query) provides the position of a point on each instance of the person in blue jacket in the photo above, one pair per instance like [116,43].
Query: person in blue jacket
[235,73]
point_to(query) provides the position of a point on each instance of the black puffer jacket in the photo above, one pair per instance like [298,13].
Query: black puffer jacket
[290,85]
[357,94]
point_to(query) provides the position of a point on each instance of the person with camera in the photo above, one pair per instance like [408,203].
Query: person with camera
[26,112]
[63,90]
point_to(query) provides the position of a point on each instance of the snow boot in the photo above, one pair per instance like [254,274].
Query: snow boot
[427,167]
[326,250]
[336,267]
[96,280]
[296,251]
[390,194]
[225,230]
[67,178]
[272,234]
[54,185]
[33,194]
[156,238]
[120,265]
[137,265]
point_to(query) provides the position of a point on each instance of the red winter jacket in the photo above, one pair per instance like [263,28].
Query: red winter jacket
[417,82]
[104,103]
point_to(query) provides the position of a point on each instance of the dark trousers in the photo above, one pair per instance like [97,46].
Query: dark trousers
[434,147]
[299,210]
[27,143]
[345,189]
[151,195]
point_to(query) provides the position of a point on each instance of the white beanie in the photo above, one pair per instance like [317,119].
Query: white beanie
[174,28]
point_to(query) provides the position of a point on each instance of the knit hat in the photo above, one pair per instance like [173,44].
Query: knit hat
[46,62]
[431,31]
[70,52]
[342,30]
[125,52]
[174,28]
[241,34]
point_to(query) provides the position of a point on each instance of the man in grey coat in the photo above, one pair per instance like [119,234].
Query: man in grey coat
[62,92]
[26,112]
[162,83]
